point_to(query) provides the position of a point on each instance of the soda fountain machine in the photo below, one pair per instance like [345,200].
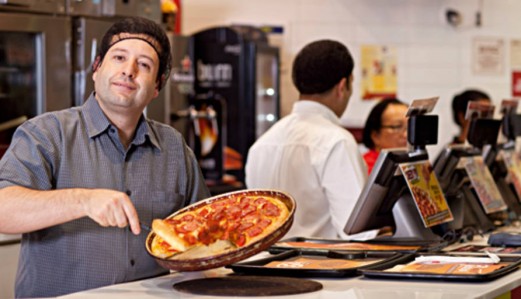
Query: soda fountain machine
[225,94]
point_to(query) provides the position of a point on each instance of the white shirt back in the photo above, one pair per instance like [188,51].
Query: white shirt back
[310,156]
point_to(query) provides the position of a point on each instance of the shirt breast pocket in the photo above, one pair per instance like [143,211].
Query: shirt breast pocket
[158,205]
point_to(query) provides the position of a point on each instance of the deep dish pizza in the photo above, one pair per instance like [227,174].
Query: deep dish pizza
[218,226]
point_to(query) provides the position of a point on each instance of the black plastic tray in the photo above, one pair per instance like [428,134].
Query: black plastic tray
[379,271]
[258,267]
[423,245]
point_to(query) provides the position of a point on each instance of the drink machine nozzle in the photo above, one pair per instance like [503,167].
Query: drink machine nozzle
[205,134]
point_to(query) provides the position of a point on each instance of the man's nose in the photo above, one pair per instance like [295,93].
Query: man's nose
[130,69]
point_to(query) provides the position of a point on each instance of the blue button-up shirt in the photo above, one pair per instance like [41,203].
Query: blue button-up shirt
[80,148]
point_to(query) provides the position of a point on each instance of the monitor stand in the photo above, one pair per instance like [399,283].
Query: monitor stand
[511,199]
[409,224]
[474,215]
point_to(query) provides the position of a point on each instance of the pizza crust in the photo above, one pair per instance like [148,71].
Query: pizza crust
[167,233]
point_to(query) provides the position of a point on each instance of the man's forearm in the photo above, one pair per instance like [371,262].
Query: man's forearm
[24,210]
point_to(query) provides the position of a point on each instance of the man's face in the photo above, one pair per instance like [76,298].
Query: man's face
[126,79]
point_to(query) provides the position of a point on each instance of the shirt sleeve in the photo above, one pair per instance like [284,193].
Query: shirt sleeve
[29,161]
[344,176]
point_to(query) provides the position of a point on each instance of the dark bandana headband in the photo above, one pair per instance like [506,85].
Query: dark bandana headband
[137,37]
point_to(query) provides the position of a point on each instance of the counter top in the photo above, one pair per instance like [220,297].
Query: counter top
[356,287]
[6,239]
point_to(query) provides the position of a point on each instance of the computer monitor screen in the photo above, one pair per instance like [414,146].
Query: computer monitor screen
[385,186]
[454,181]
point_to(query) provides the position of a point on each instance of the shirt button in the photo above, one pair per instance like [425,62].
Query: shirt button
[112,130]
[128,192]
[132,262]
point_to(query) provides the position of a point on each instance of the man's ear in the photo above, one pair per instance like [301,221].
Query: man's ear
[341,86]
[96,64]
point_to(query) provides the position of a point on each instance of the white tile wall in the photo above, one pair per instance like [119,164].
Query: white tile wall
[434,58]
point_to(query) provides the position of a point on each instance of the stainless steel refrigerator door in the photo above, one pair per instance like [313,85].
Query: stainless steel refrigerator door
[87,37]
[84,7]
[267,90]
[47,6]
[35,66]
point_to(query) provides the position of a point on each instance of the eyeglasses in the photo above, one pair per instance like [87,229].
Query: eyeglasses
[396,128]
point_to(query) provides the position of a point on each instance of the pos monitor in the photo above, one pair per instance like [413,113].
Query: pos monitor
[462,197]
[386,199]
[502,159]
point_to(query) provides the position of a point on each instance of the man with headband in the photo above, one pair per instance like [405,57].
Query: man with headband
[77,183]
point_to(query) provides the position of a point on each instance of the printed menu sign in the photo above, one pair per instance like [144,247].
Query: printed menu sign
[321,263]
[448,268]
[427,193]
[483,184]
[513,166]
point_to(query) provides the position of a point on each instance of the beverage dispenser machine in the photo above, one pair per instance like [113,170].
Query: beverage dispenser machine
[237,64]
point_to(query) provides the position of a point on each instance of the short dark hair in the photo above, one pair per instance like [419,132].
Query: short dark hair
[155,36]
[320,65]
[461,101]
[374,120]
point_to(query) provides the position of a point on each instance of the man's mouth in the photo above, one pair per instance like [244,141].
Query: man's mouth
[124,85]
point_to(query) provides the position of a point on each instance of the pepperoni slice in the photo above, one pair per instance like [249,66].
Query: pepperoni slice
[238,239]
[203,213]
[231,201]
[219,214]
[244,202]
[187,227]
[187,217]
[263,223]
[269,209]
[252,217]
[244,226]
[172,221]
[247,210]
[233,212]
[254,231]
[217,204]
[233,226]
[260,201]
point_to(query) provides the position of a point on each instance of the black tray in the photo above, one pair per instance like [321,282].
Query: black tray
[422,245]
[378,272]
[258,267]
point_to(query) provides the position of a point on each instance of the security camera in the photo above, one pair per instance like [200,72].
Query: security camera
[453,17]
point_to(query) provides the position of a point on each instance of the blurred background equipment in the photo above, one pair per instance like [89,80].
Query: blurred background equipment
[236,66]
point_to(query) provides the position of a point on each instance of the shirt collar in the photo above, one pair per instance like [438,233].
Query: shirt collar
[97,123]
[313,107]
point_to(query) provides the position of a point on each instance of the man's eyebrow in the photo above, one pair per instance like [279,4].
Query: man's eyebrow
[118,49]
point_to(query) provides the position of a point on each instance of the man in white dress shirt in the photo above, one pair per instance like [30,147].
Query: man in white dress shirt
[308,154]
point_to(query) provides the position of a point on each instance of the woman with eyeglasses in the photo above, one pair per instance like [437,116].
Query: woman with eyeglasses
[386,127]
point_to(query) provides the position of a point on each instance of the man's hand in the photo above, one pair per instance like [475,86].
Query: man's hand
[110,208]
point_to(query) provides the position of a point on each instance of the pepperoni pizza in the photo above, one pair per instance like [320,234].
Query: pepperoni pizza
[239,220]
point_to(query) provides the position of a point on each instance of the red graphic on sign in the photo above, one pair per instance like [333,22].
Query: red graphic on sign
[516,83]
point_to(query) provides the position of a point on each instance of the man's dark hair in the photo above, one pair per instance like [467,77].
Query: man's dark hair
[320,65]
[152,33]
[374,120]
[461,101]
